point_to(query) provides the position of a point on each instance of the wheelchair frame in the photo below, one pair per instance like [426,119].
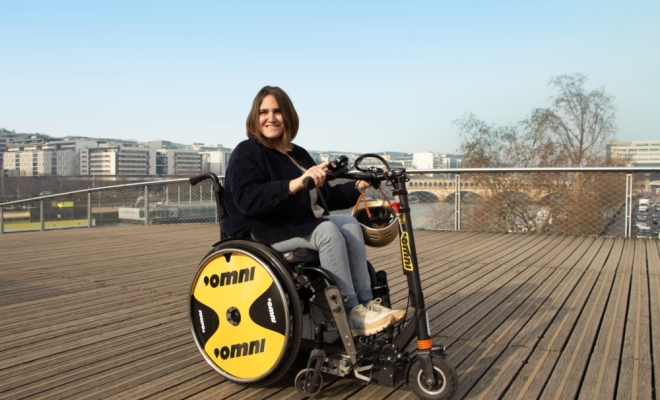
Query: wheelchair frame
[382,359]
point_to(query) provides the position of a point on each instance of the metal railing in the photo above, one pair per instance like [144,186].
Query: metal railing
[576,201]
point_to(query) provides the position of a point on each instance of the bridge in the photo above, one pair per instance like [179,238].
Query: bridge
[102,313]
[430,189]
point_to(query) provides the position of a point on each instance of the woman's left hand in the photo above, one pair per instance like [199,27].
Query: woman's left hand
[362,185]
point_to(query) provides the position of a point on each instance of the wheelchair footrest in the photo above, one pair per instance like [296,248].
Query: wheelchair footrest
[333,295]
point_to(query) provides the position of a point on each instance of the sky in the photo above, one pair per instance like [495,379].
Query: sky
[364,76]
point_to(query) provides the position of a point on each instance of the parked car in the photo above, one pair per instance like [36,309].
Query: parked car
[644,233]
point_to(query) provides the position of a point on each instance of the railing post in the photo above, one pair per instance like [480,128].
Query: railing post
[41,216]
[2,221]
[178,194]
[146,205]
[457,202]
[89,209]
[190,195]
[629,188]
[167,194]
[201,194]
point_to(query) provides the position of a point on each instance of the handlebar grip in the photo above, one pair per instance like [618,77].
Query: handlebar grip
[198,178]
[308,183]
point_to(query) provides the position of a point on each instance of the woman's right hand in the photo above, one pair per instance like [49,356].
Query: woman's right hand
[317,173]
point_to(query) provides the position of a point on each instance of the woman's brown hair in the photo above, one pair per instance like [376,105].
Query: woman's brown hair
[289,115]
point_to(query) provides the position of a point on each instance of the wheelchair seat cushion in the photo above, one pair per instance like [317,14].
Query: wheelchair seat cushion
[302,256]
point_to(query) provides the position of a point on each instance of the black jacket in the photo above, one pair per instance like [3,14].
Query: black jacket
[257,199]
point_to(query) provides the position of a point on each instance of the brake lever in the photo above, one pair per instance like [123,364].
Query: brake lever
[339,164]
[332,174]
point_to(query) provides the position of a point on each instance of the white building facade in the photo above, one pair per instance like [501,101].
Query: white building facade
[451,161]
[34,156]
[638,154]
[216,161]
[50,158]
[183,162]
[114,160]
[425,160]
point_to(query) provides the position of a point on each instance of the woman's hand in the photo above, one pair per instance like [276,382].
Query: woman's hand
[362,185]
[318,174]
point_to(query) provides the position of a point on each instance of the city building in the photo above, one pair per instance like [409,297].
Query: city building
[114,160]
[216,161]
[36,156]
[425,160]
[451,161]
[637,154]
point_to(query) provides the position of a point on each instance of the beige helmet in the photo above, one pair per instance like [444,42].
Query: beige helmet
[378,221]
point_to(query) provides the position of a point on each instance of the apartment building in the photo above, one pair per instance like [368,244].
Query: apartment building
[425,160]
[451,161]
[114,160]
[183,162]
[216,161]
[638,153]
[36,156]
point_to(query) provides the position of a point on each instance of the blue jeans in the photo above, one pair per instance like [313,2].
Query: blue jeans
[342,252]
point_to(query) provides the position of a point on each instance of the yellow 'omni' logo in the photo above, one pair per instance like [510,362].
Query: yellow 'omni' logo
[405,252]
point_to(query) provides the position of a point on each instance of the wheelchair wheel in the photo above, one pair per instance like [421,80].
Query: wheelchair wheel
[245,313]
[308,388]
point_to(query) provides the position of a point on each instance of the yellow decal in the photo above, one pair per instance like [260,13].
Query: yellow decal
[405,252]
[402,219]
[245,350]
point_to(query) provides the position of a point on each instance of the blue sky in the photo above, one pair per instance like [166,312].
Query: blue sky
[365,76]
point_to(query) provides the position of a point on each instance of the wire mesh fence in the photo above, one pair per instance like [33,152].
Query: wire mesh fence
[554,202]
[551,203]
[162,202]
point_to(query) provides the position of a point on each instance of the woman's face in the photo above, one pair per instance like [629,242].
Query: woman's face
[271,121]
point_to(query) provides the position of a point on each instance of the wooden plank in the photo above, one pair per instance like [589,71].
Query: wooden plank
[71,381]
[86,359]
[653,259]
[19,356]
[635,378]
[541,337]
[489,296]
[571,366]
[174,383]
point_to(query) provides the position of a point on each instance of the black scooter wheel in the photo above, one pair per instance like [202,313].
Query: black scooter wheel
[446,380]
[245,313]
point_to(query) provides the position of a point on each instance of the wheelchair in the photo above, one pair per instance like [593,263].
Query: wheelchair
[254,311]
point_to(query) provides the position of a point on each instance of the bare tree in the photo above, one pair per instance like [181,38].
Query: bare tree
[521,145]
[573,132]
[506,206]
[579,121]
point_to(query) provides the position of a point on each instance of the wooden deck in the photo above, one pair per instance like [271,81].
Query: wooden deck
[102,313]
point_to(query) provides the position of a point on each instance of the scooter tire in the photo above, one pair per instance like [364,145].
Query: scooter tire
[445,376]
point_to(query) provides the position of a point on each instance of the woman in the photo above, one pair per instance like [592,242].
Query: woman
[265,198]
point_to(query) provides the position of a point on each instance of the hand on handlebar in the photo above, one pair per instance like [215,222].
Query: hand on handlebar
[313,177]
[362,185]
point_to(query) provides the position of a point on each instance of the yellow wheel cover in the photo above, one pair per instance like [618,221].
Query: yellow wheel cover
[239,315]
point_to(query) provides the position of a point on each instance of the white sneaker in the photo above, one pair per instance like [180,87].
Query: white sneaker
[364,322]
[376,305]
